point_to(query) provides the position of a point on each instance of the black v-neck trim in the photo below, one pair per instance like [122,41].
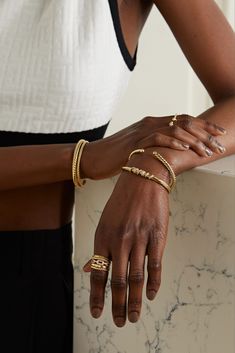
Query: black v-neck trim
[129,60]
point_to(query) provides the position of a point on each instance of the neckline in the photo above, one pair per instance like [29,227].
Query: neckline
[128,58]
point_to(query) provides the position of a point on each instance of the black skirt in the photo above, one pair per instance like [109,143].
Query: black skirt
[36,296]
[36,273]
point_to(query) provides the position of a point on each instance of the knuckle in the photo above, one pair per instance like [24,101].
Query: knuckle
[134,304]
[185,116]
[208,124]
[157,236]
[147,120]
[187,123]
[154,265]
[173,141]
[198,143]
[136,277]
[157,137]
[119,282]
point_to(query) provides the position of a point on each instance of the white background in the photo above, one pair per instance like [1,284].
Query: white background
[163,82]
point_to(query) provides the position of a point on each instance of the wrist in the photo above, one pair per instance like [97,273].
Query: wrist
[67,151]
[147,162]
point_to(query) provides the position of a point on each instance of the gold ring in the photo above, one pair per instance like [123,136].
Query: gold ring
[100,263]
[173,120]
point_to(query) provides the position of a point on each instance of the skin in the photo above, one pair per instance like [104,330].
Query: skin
[36,190]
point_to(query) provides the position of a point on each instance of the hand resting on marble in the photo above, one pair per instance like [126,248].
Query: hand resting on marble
[133,225]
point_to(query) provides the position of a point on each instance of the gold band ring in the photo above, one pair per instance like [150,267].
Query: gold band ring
[173,120]
[100,263]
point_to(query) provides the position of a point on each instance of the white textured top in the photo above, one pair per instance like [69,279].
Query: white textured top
[61,68]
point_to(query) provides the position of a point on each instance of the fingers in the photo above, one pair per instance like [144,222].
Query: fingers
[199,141]
[205,132]
[197,134]
[210,127]
[155,252]
[136,282]
[98,280]
[162,140]
[192,139]
[119,288]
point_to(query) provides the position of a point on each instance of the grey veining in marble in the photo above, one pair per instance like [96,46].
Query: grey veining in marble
[195,308]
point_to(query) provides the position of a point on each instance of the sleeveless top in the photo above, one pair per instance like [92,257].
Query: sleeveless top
[63,64]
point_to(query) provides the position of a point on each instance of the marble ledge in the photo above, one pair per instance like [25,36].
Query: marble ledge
[222,167]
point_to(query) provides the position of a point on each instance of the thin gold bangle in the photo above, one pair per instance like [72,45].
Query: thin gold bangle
[147,175]
[140,150]
[159,157]
[74,163]
[78,182]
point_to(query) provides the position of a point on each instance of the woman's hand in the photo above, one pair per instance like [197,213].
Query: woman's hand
[133,224]
[104,158]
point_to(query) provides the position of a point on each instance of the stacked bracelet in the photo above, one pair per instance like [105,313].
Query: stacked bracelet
[77,155]
[147,175]
[168,167]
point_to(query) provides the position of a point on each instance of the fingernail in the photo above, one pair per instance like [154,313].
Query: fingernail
[222,130]
[221,148]
[133,316]
[119,321]
[151,294]
[96,312]
[185,145]
[208,152]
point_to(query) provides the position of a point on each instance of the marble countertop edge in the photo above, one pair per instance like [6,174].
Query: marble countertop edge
[222,167]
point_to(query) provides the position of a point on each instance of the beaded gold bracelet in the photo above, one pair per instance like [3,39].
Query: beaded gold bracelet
[77,155]
[147,175]
[163,161]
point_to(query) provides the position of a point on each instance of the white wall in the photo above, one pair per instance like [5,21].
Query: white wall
[163,82]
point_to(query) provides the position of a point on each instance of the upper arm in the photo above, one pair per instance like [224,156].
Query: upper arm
[207,41]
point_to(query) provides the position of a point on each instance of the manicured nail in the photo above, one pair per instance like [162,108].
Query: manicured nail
[119,321]
[222,130]
[96,312]
[185,145]
[151,294]
[208,152]
[133,316]
[221,148]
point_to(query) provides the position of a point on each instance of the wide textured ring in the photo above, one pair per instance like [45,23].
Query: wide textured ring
[173,120]
[100,263]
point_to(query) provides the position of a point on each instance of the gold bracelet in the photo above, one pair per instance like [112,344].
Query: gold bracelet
[168,167]
[163,161]
[147,175]
[77,155]
[140,150]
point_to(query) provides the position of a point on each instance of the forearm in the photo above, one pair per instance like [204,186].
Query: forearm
[34,165]
[222,114]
